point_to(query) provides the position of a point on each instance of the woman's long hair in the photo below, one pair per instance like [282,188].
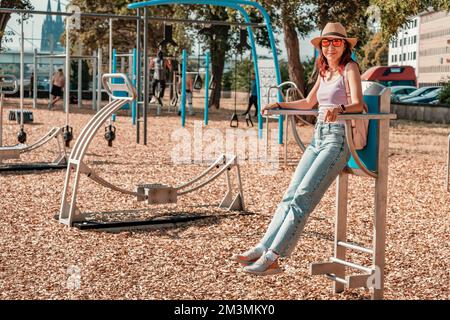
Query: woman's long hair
[322,63]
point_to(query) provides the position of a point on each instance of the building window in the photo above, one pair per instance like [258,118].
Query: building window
[404,56]
[414,55]
[415,37]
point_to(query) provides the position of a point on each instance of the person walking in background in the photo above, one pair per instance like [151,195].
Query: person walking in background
[58,83]
[160,64]
[253,98]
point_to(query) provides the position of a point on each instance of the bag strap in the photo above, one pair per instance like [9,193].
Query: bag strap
[347,89]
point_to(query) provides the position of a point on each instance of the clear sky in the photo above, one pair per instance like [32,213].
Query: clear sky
[33,26]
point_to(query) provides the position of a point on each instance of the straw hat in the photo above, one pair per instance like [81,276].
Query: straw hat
[334,30]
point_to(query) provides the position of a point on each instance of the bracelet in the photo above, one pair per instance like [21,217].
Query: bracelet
[278,105]
[342,108]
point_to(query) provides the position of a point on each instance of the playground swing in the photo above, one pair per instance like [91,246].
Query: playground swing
[234,122]
[154,193]
[198,81]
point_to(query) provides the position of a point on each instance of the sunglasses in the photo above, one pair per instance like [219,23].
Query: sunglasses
[336,42]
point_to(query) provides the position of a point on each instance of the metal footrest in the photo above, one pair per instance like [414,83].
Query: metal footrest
[331,269]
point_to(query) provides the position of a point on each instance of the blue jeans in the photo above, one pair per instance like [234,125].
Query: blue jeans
[321,163]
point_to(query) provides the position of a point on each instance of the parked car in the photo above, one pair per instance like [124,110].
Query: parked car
[400,91]
[431,96]
[419,93]
[391,75]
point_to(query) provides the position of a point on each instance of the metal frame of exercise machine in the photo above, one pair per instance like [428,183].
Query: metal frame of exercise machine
[79,59]
[14,152]
[152,193]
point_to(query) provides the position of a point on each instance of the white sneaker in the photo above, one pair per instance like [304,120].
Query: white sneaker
[263,267]
[248,257]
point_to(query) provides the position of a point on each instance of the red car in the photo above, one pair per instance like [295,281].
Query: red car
[391,75]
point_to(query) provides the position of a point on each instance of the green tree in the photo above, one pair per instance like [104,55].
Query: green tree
[396,13]
[5,17]
[295,18]
[94,33]
[444,95]
[375,53]
[222,40]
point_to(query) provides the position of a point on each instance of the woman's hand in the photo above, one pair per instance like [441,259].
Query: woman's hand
[270,106]
[332,113]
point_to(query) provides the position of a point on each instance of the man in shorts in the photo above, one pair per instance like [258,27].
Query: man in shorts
[58,83]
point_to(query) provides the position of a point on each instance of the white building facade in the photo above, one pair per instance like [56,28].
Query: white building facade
[424,43]
[404,50]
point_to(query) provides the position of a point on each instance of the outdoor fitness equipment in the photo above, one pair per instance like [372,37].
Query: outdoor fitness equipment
[142,10]
[183,72]
[447,180]
[371,162]
[9,85]
[152,193]
[288,91]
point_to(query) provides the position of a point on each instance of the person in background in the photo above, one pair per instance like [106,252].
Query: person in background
[253,98]
[159,64]
[58,83]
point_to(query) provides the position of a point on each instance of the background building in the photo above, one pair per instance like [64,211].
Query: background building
[424,43]
[404,50]
[52,30]
[434,48]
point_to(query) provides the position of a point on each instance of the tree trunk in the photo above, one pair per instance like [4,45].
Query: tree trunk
[218,44]
[295,67]
[4,18]
[218,64]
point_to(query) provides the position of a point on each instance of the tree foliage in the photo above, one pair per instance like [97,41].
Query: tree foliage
[374,53]
[395,13]
[5,17]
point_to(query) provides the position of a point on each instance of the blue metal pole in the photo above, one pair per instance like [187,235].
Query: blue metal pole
[114,69]
[134,72]
[114,62]
[183,89]
[205,115]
